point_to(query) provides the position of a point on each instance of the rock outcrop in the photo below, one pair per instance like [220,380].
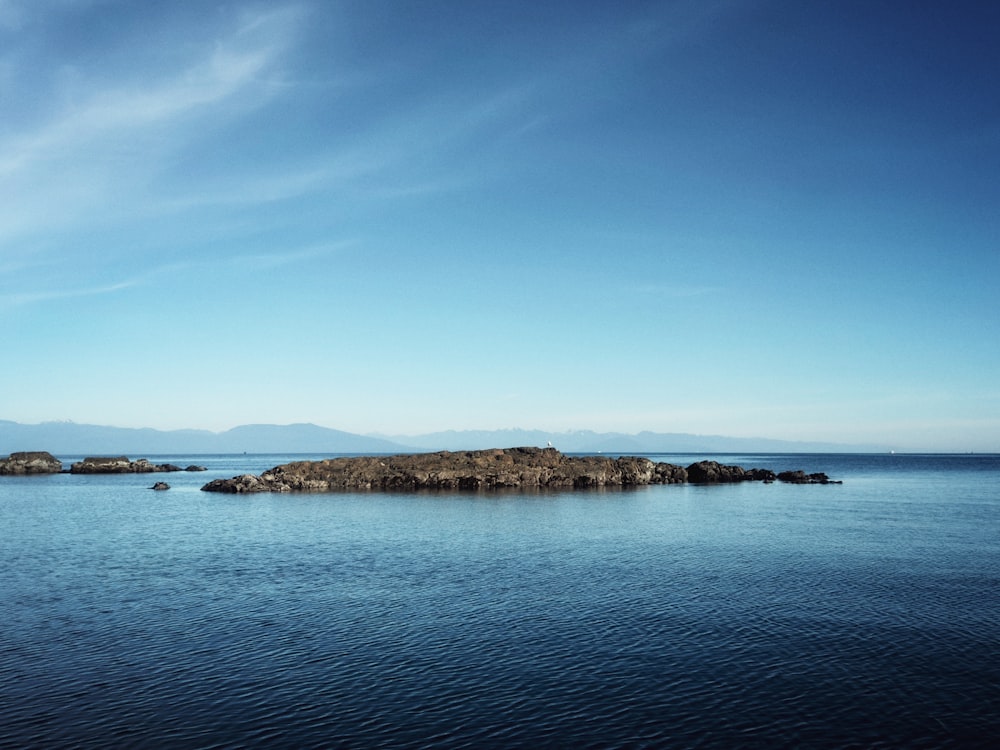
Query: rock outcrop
[480,470]
[159,486]
[800,477]
[246,483]
[30,462]
[712,472]
[122,465]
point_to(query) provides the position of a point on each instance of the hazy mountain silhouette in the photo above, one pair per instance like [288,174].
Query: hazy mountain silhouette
[69,438]
[586,441]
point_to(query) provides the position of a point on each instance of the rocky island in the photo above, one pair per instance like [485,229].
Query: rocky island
[526,468]
[122,465]
[30,462]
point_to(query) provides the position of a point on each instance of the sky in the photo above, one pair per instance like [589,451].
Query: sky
[762,218]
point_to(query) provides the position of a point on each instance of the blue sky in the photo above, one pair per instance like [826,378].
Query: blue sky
[753,218]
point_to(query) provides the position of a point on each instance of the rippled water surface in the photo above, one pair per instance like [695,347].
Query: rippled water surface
[864,614]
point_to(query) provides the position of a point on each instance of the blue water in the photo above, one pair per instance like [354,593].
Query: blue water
[858,615]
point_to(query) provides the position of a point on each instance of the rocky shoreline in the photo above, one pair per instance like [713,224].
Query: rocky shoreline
[525,468]
[25,463]
[122,465]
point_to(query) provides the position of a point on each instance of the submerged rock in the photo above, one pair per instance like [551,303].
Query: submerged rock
[30,462]
[530,468]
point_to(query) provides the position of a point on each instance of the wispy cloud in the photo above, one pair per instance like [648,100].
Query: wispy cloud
[17,299]
[90,156]
[268,261]
[253,262]
[413,152]
[273,184]
[107,116]
[111,155]
[256,261]
[105,154]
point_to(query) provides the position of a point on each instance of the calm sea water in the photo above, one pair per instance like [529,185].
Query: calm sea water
[865,614]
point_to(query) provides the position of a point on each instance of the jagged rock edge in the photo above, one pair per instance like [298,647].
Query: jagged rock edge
[524,468]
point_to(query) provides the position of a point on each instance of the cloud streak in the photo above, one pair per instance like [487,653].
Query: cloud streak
[257,262]
[107,116]
[92,156]
[105,157]
[17,299]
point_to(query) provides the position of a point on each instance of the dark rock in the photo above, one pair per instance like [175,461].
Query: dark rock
[800,477]
[670,474]
[160,486]
[193,467]
[118,465]
[712,472]
[244,483]
[761,475]
[102,465]
[30,462]
[793,477]
[479,470]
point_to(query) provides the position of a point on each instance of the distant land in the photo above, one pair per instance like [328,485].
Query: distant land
[69,438]
[586,441]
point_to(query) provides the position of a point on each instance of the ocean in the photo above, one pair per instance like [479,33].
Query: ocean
[865,614]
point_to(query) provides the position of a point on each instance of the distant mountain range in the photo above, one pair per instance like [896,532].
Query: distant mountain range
[69,438]
[586,441]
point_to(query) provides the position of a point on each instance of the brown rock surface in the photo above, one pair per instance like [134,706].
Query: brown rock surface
[473,470]
[118,465]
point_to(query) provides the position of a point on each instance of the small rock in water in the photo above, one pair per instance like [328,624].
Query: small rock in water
[160,486]
[800,477]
